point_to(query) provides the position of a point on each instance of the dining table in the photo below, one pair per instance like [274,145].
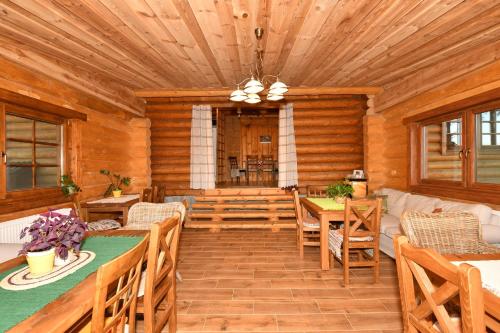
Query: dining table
[325,210]
[489,267]
[121,205]
[68,309]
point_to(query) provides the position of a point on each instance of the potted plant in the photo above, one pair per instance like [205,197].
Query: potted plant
[54,236]
[339,191]
[116,181]
[69,187]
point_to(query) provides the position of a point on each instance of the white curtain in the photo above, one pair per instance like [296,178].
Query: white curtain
[287,158]
[202,153]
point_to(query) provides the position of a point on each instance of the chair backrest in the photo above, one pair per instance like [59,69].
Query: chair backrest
[159,291]
[362,218]
[117,283]
[447,232]
[147,194]
[143,214]
[267,162]
[298,207]
[252,162]
[316,191]
[233,162]
[158,193]
[430,285]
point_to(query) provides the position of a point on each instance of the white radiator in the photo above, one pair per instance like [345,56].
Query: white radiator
[10,230]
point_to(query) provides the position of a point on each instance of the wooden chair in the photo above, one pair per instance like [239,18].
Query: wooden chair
[117,283]
[234,169]
[268,167]
[142,215]
[307,227]
[431,287]
[158,193]
[147,194]
[252,166]
[446,232]
[359,237]
[157,298]
[316,191]
[102,224]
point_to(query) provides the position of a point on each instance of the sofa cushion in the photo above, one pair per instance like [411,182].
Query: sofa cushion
[495,218]
[395,201]
[421,203]
[9,251]
[388,221]
[483,212]
[491,233]
[391,231]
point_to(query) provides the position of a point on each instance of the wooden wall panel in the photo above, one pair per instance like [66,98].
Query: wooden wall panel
[110,138]
[232,134]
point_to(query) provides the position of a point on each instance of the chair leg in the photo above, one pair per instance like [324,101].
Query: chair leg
[345,263]
[376,268]
[301,241]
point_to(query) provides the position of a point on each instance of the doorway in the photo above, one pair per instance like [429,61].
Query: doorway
[247,147]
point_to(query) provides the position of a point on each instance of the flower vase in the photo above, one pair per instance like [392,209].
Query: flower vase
[41,262]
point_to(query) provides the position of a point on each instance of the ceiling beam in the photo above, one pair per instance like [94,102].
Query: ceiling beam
[145,93]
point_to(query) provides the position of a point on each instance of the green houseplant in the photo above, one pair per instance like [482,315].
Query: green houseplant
[69,187]
[116,182]
[339,191]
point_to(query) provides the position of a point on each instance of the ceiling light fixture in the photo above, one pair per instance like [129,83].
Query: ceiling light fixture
[256,84]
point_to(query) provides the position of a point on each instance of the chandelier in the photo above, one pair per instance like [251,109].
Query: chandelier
[256,84]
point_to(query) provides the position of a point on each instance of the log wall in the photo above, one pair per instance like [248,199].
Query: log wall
[329,139]
[110,138]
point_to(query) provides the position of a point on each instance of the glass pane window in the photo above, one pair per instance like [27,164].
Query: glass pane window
[441,146]
[34,151]
[487,157]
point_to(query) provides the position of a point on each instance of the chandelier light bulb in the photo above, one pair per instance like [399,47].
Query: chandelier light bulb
[238,95]
[252,99]
[274,97]
[253,86]
[278,88]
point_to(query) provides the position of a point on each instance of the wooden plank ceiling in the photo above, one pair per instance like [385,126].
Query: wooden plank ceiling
[105,46]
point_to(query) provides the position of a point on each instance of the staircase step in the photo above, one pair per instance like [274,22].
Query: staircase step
[242,214]
[243,205]
[264,198]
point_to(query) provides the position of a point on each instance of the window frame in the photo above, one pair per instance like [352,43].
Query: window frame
[19,111]
[469,188]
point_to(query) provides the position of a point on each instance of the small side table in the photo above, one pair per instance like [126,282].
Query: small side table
[110,205]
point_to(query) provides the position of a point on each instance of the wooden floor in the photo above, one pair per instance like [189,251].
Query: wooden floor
[254,281]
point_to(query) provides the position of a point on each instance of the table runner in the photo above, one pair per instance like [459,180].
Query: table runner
[15,306]
[490,273]
[327,203]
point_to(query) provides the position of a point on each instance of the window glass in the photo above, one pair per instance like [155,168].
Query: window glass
[487,157]
[441,148]
[33,147]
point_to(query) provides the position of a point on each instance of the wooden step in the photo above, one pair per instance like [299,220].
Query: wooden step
[244,204]
[241,225]
[242,214]
[245,191]
[223,198]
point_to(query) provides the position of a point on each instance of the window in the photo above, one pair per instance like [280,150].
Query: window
[457,153]
[33,153]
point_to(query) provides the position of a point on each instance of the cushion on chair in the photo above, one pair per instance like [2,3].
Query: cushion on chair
[141,215]
[311,222]
[103,225]
[336,238]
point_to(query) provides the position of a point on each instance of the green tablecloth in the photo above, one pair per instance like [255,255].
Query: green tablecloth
[15,306]
[327,203]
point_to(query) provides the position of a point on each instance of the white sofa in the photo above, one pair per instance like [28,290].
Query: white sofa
[398,202]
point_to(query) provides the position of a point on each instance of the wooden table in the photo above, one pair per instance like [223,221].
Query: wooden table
[324,216]
[491,301]
[62,314]
[110,205]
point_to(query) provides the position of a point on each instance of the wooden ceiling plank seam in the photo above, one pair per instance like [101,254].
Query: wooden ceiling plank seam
[105,29]
[310,32]
[187,14]
[294,28]
[335,35]
[225,13]
[170,18]
[244,18]
[55,26]
[408,25]
[425,79]
[46,47]
[124,34]
[150,35]
[455,17]
[88,85]
[366,35]
[197,70]
[206,15]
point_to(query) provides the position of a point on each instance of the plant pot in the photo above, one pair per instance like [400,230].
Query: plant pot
[117,193]
[42,262]
[58,261]
[340,200]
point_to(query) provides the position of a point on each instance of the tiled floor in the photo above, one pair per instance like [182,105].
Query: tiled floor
[254,281]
